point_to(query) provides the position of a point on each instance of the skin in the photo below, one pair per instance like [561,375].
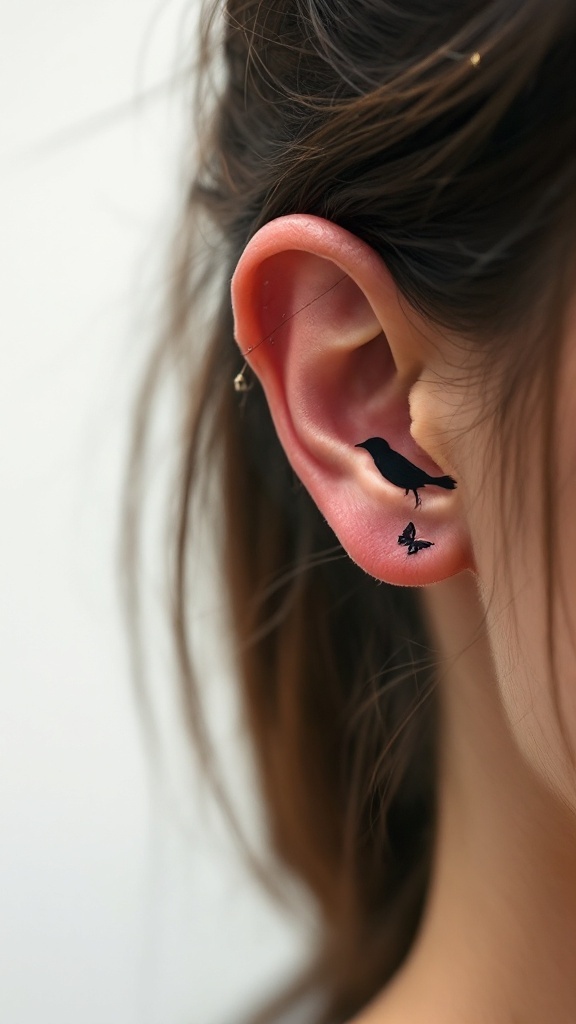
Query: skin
[497,944]
[498,939]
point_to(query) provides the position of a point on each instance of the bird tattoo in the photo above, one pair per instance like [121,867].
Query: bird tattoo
[400,471]
[408,537]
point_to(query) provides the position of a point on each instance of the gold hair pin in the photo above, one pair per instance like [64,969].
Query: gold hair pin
[475,59]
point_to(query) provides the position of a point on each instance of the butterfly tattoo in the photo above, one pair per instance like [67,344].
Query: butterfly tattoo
[408,537]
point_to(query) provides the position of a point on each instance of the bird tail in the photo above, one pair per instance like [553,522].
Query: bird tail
[445,481]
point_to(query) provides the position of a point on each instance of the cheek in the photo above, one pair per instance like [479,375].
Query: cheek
[512,558]
[500,483]
[511,570]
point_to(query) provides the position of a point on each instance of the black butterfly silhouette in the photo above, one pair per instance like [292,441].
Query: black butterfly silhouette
[408,536]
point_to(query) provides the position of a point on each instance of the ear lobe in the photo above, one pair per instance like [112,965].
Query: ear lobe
[319,320]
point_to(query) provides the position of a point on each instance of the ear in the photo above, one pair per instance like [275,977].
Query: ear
[322,325]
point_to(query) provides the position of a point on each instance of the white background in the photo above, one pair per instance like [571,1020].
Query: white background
[121,899]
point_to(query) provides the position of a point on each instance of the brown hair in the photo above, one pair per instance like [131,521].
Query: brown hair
[442,134]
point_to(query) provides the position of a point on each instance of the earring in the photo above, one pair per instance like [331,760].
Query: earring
[240,382]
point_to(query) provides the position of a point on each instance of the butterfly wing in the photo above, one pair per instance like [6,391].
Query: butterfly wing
[407,535]
[417,545]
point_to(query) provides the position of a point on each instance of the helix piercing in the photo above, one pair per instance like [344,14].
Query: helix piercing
[240,381]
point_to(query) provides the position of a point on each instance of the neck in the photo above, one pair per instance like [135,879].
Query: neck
[498,939]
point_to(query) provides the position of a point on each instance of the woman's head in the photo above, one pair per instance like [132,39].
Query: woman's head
[391,187]
[341,356]
[428,302]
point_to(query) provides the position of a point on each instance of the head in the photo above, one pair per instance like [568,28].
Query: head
[374,445]
[391,190]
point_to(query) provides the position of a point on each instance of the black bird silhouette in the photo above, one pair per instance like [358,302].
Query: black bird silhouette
[400,471]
